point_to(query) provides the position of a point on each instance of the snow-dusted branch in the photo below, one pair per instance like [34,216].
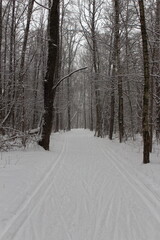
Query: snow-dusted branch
[67,76]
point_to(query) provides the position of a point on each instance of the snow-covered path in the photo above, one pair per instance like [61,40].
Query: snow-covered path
[90,193]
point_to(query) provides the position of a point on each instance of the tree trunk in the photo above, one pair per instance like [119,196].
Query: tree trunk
[91,107]
[145,118]
[112,104]
[5,94]
[68,105]
[120,87]
[22,65]
[115,63]
[49,94]
[98,130]
[84,104]
[1,97]
[156,67]
[155,76]
[12,64]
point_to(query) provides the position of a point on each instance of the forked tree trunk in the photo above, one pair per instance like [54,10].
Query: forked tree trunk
[49,93]
[145,118]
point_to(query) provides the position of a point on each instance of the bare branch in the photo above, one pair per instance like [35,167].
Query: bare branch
[42,5]
[67,76]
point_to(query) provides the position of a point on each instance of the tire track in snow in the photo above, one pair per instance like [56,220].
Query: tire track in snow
[37,196]
[147,196]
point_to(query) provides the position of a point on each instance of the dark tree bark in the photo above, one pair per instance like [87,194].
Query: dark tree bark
[68,106]
[120,86]
[1,93]
[114,60]
[127,69]
[84,104]
[145,119]
[0,60]
[155,77]
[156,67]
[91,109]
[3,62]
[22,64]
[98,130]
[38,66]
[112,109]
[68,89]
[11,83]
[49,93]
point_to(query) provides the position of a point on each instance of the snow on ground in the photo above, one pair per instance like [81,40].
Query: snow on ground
[85,188]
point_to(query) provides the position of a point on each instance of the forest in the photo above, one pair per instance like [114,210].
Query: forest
[89,64]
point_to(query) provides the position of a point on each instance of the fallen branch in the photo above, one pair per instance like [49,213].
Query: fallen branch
[20,140]
[67,76]
[10,139]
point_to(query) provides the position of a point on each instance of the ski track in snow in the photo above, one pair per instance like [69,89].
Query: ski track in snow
[25,211]
[90,193]
[148,196]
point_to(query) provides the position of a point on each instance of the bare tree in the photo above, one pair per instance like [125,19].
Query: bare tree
[156,66]
[115,65]
[11,83]
[120,85]
[22,62]
[1,60]
[90,15]
[145,120]
[49,81]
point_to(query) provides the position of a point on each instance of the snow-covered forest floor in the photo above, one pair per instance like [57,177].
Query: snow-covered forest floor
[85,188]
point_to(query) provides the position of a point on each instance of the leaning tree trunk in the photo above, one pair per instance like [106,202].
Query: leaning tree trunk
[49,93]
[145,119]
